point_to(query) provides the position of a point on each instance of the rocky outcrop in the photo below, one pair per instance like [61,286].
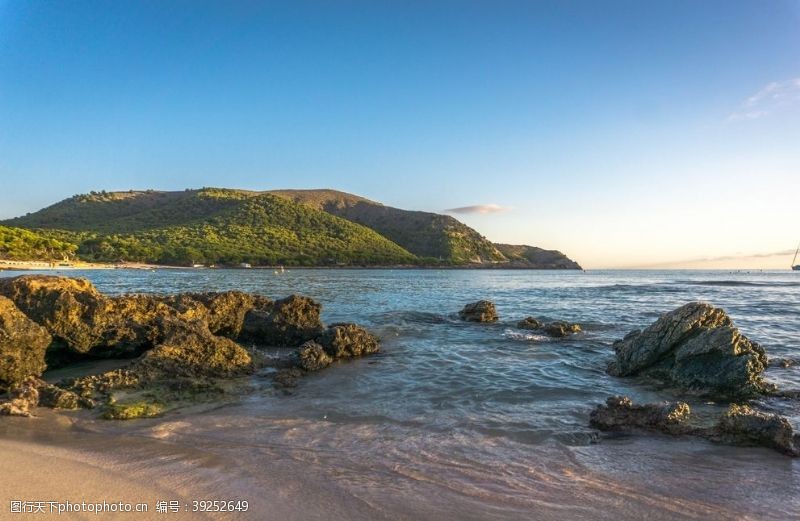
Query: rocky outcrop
[743,425]
[620,414]
[72,310]
[22,346]
[556,329]
[189,349]
[86,322]
[183,343]
[694,347]
[480,311]
[224,312]
[348,340]
[740,425]
[289,323]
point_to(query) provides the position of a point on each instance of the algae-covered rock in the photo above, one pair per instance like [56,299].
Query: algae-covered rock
[743,425]
[72,310]
[480,311]
[290,322]
[22,399]
[619,413]
[312,357]
[189,349]
[348,340]
[87,322]
[694,347]
[134,410]
[58,398]
[22,346]
[224,312]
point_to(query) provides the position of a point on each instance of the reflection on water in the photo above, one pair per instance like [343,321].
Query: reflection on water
[486,421]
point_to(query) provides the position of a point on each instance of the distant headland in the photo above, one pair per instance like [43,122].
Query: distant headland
[218,227]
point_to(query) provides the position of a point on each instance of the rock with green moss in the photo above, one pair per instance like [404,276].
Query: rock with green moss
[133,410]
[22,346]
[348,340]
[189,349]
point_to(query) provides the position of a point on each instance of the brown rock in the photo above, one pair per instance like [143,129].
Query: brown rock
[480,311]
[291,322]
[348,340]
[22,346]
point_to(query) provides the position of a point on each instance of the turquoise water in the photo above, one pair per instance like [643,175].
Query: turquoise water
[475,421]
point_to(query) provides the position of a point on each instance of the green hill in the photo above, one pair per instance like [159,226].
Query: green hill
[424,234]
[210,226]
[19,244]
[543,259]
[229,227]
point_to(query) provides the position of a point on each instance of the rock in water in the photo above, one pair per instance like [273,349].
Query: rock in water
[530,323]
[348,340]
[620,414]
[694,347]
[312,357]
[481,311]
[22,346]
[291,322]
[556,329]
[742,425]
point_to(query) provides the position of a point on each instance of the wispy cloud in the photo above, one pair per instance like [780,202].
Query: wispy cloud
[771,98]
[480,208]
[698,261]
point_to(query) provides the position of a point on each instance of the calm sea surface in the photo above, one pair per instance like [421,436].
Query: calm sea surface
[470,421]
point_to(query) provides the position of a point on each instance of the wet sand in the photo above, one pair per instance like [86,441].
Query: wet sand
[301,470]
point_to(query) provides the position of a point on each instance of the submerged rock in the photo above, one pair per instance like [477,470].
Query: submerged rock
[348,340]
[290,322]
[480,311]
[312,357]
[22,346]
[530,323]
[556,329]
[620,414]
[740,425]
[694,347]
[743,425]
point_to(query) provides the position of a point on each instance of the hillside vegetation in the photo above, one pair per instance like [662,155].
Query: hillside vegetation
[424,234]
[210,226]
[229,227]
[19,244]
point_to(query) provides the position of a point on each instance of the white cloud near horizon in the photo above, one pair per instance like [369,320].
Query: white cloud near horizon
[772,97]
[479,208]
[699,261]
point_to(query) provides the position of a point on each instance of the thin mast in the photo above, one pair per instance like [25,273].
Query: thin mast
[795,256]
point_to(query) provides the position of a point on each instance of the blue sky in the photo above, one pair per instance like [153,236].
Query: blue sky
[624,133]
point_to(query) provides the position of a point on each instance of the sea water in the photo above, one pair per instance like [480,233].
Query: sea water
[456,420]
